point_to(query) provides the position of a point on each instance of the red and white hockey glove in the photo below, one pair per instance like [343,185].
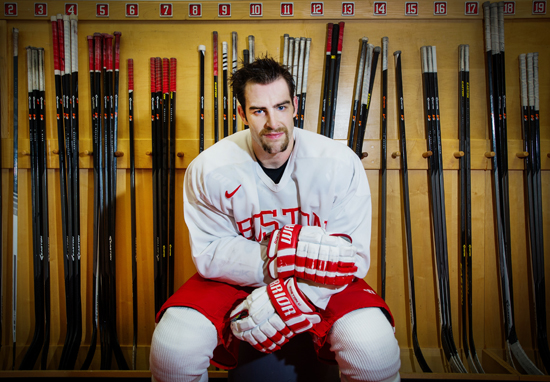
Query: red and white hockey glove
[273,314]
[308,252]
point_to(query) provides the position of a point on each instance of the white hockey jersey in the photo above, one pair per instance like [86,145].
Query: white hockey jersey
[230,205]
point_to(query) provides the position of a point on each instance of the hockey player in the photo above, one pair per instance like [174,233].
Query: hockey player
[279,221]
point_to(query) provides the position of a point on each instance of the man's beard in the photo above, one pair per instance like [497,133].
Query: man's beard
[269,148]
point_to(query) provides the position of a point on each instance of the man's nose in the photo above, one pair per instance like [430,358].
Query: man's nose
[271,121]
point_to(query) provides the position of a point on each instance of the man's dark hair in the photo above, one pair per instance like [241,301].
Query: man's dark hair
[263,71]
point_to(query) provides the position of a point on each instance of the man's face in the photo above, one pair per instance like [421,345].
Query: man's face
[269,113]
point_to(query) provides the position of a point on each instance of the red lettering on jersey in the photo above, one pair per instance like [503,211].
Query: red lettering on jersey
[260,225]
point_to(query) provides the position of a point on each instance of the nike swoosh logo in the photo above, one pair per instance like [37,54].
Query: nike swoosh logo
[230,195]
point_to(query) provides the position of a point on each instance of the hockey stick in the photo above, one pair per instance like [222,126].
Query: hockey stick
[383,166]
[251,48]
[133,209]
[322,129]
[216,125]
[285,49]
[75,198]
[443,225]
[465,212]
[202,50]
[406,208]
[336,77]
[234,59]
[358,143]
[225,98]
[156,247]
[492,50]
[94,50]
[164,174]
[295,64]
[330,89]
[64,37]
[300,80]
[437,211]
[542,337]
[33,351]
[356,98]
[290,58]
[467,155]
[246,58]
[172,211]
[368,83]
[15,191]
[44,213]
[464,245]
[304,83]
[112,138]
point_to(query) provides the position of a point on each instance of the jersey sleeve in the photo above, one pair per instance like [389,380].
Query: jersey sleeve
[219,252]
[351,214]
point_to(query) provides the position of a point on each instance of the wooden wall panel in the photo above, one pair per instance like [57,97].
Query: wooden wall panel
[179,37]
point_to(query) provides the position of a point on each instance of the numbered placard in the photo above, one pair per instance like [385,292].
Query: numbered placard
[195,10]
[348,9]
[509,8]
[40,9]
[166,10]
[539,7]
[287,9]
[440,8]
[411,8]
[71,9]
[380,8]
[224,10]
[256,10]
[132,10]
[10,9]
[102,10]
[471,8]
[317,9]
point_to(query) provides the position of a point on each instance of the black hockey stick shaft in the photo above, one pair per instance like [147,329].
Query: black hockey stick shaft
[429,113]
[542,336]
[94,51]
[202,50]
[324,103]
[164,176]
[406,208]
[215,61]
[225,97]
[383,167]
[467,156]
[133,209]
[172,197]
[357,97]
[337,61]
[35,347]
[366,98]
[234,59]
[304,83]
[156,247]
[15,208]
[443,227]
[329,130]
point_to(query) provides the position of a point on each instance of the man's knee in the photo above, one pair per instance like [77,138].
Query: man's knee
[182,345]
[365,346]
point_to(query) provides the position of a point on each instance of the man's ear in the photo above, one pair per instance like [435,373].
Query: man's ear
[295,101]
[242,114]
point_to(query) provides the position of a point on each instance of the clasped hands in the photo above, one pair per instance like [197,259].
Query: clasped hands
[273,314]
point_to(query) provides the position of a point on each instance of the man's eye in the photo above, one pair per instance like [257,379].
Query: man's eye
[258,112]
[282,108]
